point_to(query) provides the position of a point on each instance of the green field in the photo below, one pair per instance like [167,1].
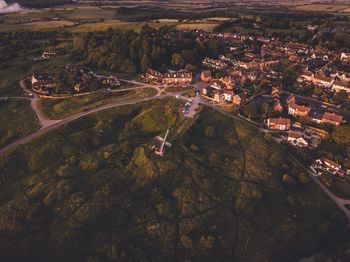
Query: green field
[83,19]
[94,190]
[322,8]
[17,120]
[61,108]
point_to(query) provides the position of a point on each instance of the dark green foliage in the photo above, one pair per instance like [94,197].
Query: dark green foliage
[341,135]
[132,52]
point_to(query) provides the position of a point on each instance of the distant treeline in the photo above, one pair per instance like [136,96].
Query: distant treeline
[145,13]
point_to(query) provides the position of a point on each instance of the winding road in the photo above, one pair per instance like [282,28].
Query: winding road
[48,124]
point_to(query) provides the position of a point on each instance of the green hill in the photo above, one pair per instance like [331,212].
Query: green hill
[94,191]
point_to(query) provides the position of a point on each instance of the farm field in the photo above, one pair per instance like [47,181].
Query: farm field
[322,8]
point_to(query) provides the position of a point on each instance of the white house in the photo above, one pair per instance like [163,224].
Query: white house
[296,139]
[341,86]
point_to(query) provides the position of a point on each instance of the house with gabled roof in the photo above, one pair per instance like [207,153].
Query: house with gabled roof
[278,123]
[331,118]
[341,86]
[323,81]
[298,110]
[297,139]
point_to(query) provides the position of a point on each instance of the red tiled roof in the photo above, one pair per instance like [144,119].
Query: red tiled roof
[300,108]
[280,121]
[323,78]
[343,84]
[332,117]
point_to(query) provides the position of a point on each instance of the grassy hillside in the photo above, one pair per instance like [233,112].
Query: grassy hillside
[94,191]
[17,119]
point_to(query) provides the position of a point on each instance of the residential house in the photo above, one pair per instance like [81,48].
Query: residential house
[181,77]
[330,166]
[215,64]
[306,75]
[48,54]
[279,123]
[323,81]
[298,110]
[152,75]
[43,84]
[331,118]
[297,139]
[341,86]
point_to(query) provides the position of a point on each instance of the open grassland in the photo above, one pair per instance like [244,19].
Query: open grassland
[60,108]
[221,190]
[322,8]
[207,26]
[102,26]
[80,19]
[17,120]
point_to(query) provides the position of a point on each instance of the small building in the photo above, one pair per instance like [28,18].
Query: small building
[298,110]
[282,124]
[297,139]
[48,54]
[215,64]
[43,84]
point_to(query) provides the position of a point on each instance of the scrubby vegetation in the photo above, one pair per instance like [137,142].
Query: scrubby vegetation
[60,108]
[22,124]
[93,190]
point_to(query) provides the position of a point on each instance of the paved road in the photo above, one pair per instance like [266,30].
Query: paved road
[49,125]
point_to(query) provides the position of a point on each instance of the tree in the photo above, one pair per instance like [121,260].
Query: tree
[318,90]
[252,110]
[79,42]
[177,60]
[341,135]
[342,96]
[289,75]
